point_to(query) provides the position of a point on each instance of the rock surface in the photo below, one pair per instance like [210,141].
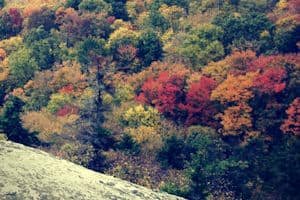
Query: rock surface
[28,173]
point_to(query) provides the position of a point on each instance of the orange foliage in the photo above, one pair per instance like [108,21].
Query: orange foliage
[292,124]
[235,89]
[2,54]
[236,63]
[236,119]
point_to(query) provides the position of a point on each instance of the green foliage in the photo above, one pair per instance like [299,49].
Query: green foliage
[95,6]
[73,4]
[119,9]
[22,66]
[44,47]
[247,26]
[286,38]
[172,188]
[2,3]
[78,153]
[57,101]
[149,47]
[11,22]
[122,36]
[123,93]
[203,45]
[173,153]
[128,144]
[88,50]
[10,122]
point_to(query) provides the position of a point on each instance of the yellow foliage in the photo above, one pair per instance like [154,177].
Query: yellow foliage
[68,73]
[25,4]
[142,18]
[45,124]
[147,136]
[282,4]
[135,7]
[171,13]
[118,23]
[217,70]
[123,93]
[140,115]
[4,69]
[119,34]
[237,61]
[107,99]
[11,44]
[2,54]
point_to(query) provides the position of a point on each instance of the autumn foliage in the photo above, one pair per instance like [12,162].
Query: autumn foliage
[292,124]
[198,104]
[166,92]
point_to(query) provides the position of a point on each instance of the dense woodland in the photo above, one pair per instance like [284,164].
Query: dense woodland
[198,98]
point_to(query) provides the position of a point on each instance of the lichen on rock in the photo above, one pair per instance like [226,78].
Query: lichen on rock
[28,173]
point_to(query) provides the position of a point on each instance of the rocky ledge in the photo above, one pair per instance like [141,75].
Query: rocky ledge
[28,173]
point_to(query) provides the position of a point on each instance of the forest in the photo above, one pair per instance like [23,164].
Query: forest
[197,98]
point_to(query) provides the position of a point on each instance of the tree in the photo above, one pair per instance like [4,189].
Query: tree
[202,45]
[22,66]
[75,26]
[2,3]
[236,120]
[73,4]
[212,169]
[10,122]
[95,6]
[11,22]
[44,47]
[122,36]
[149,48]
[198,104]
[173,153]
[119,9]
[292,124]
[88,48]
[235,89]
[271,81]
[172,14]
[43,17]
[246,27]
[166,93]
[140,115]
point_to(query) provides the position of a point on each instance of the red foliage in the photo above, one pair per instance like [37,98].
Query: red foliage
[67,89]
[271,81]
[67,110]
[198,104]
[294,6]
[166,93]
[16,17]
[110,19]
[272,72]
[292,123]
[277,61]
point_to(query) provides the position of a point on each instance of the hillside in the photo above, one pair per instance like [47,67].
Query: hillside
[28,173]
[196,98]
